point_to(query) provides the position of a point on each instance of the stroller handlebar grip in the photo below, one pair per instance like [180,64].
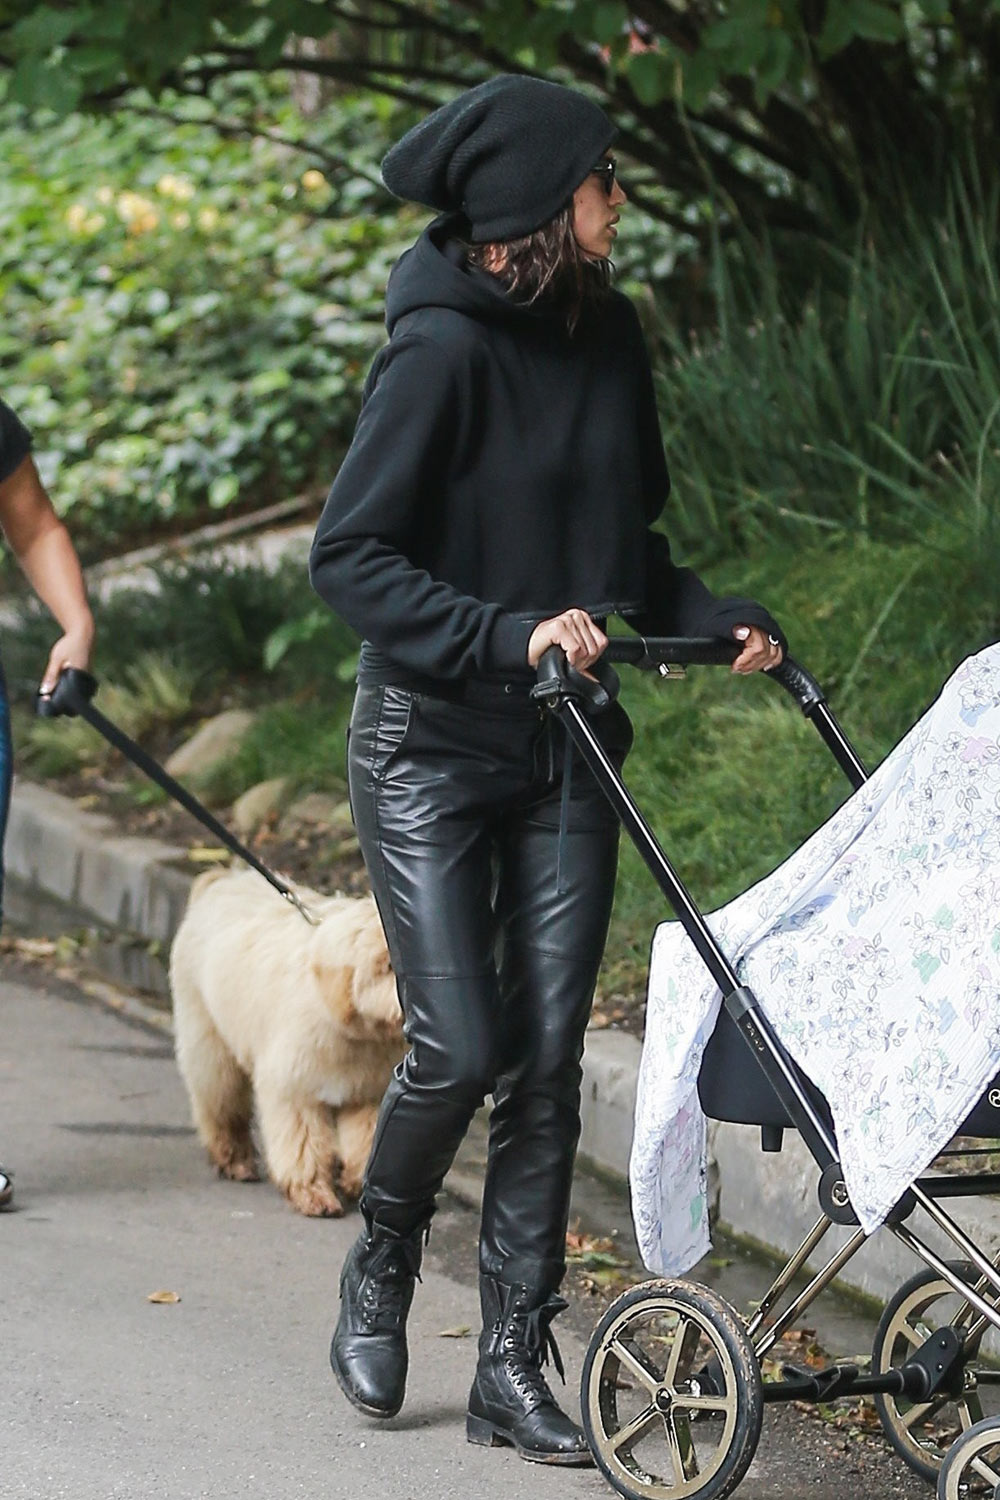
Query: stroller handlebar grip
[801,684]
[651,652]
[558,681]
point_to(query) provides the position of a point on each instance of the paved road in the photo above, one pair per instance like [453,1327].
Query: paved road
[106,1396]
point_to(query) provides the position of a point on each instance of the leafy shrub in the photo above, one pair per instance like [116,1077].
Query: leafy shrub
[866,400]
[187,318]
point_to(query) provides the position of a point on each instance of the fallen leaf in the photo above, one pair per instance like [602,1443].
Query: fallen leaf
[205,854]
[599,1260]
[460,1332]
[35,947]
[164,1297]
[587,1247]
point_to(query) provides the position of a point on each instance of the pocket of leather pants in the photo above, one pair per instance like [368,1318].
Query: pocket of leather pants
[396,712]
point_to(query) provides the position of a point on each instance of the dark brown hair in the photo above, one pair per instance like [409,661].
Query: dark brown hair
[549,263]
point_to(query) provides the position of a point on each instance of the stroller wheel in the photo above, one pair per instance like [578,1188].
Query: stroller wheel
[922,1433]
[972,1463]
[671,1394]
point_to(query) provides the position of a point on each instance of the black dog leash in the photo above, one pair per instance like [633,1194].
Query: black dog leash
[71,697]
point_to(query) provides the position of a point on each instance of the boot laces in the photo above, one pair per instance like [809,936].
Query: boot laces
[527,1341]
[392,1267]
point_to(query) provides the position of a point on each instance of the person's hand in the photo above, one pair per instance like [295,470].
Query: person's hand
[575,632]
[760,650]
[70,650]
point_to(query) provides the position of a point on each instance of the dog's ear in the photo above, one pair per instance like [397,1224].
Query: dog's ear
[351,965]
[335,983]
[375,994]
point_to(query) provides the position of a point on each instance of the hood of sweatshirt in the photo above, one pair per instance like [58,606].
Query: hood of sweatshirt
[434,273]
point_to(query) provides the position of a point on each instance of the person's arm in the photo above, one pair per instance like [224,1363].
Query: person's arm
[42,546]
[384,495]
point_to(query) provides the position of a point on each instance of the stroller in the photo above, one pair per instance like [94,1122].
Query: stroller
[672,1388]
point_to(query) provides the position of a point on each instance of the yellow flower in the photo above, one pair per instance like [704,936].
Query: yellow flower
[136,212]
[180,220]
[175,187]
[208,218]
[313,180]
[105,194]
[76,217]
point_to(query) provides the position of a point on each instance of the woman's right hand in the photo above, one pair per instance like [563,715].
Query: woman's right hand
[573,630]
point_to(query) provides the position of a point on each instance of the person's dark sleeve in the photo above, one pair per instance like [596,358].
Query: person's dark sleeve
[678,603]
[15,442]
[385,490]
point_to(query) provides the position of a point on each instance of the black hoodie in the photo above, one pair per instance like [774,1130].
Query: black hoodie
[502,470]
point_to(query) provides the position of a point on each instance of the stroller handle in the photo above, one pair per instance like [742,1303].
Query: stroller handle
[650,653]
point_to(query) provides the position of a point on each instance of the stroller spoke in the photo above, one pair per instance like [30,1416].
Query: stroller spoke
[986,1471]
[920,1410]
[685,1460]
[633,1361]
[702,1403]
[916,1334]
[632,1431]
[684,1348]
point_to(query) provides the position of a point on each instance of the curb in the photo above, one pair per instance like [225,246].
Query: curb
[132,888]
[58,852]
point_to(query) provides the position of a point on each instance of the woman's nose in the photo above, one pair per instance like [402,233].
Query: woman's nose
[618,195]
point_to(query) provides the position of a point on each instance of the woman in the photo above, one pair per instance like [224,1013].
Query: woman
[496,500]
[42,546]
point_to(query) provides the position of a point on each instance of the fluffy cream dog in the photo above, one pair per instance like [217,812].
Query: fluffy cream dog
[303,1019]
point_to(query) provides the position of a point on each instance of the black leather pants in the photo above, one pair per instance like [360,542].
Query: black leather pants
[495,891]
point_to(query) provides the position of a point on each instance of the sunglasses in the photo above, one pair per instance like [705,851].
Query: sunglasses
[607,172]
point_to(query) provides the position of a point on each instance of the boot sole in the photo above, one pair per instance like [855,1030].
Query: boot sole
[363,1406]
[488,1435]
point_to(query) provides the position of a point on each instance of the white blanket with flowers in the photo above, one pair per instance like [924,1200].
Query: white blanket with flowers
[874,951]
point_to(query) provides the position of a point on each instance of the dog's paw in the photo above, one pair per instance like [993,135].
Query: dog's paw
[315,1199]
[240,1169]
[350,1183]
[234,1159]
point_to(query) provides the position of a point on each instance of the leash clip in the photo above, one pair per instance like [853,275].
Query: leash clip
[301,907]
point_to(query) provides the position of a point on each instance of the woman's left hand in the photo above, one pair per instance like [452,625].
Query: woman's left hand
[70,650]
[760,650]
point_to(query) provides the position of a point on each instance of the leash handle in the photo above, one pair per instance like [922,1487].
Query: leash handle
[71,698]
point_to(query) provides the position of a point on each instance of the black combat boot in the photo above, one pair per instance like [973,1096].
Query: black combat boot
[368,1353]
[510,1401]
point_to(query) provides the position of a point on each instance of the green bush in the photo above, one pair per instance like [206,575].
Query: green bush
[187,318]
[865,399]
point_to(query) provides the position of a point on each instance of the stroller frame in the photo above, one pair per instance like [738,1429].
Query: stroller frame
[932,1373]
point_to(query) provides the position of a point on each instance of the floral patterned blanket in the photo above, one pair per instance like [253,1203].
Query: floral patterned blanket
[875,952]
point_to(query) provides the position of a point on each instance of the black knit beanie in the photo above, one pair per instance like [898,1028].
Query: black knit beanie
[509,154]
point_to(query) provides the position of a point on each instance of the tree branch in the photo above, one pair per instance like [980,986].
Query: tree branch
[238,130]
